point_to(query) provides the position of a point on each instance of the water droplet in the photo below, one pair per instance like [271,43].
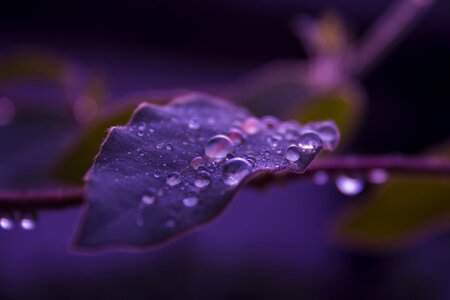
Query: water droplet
[197,162]
[218,147]
[235,170]
[6,223]
[169,147]
[236,136]
[202,179]
[194,123]
[321,177]
[190,201]
[27,223]
[159,146]
[378,176]
[173,179]
[293,153]
[274,140]
[141,129]
[310,142]
[148,199]
[270,121]
[157,174]
[251,125]
[349,186]
[329,135]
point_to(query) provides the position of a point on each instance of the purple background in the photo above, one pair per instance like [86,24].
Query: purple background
[269,244]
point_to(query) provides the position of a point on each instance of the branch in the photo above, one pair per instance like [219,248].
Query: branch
[68,197]
[386,33]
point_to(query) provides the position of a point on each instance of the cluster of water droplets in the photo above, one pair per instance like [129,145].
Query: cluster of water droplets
[26,220]
[247,146]
[352,184]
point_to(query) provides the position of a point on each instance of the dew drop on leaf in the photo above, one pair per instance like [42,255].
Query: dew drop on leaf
[309,142]
[197,162]
[236,136]
[218,147]
[190,201]
[293,153]
[148,199]
[173,179]
[235,170]
[252,125]
[194,123]
[202,179]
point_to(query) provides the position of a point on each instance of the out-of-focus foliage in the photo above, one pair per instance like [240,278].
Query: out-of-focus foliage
[398,212]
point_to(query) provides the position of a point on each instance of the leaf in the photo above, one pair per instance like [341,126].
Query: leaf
[174,168]
[80,156]
[399,213]
[287,90]
[345,106]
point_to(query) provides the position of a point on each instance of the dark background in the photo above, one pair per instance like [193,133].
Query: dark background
[268,244]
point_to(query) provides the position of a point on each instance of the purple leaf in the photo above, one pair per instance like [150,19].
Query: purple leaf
[176,167]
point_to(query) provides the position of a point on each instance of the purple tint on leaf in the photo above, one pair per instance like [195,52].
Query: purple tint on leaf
[175,167]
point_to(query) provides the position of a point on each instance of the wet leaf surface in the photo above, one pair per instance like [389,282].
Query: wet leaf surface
[176,167]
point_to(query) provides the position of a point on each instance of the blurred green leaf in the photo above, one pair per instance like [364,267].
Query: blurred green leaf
[404,209]
[79,158]
[38,65]
[345,106]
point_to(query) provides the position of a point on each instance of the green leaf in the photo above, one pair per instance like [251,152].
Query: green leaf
[398,213]
[402,210]
[37,65]
[78,159]
[345,106]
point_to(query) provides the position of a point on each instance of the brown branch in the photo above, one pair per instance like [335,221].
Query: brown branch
[68,197]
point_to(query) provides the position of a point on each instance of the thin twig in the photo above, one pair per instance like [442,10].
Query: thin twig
[387,31]
[68,197]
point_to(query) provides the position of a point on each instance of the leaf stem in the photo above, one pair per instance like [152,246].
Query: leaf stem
[385,33]
[68,197]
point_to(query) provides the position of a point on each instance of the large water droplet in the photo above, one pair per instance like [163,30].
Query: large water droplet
[190,201]
[235,170]
[329,135]
[173,179]
[218,147]
[251,125]
[293,153]
[378,176]
[6,223]
[141,129]
[202,179]
[310,142]
[349,186]
[194,123]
